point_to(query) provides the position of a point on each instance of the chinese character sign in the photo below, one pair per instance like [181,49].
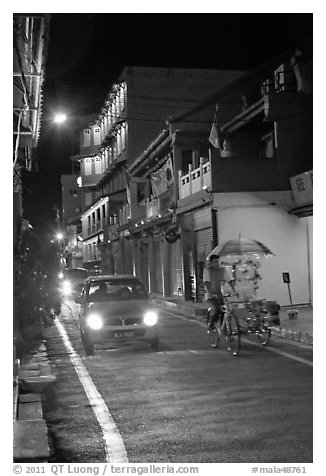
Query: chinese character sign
[302,188]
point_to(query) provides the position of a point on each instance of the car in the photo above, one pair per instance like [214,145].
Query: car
[72,282]
[116,308]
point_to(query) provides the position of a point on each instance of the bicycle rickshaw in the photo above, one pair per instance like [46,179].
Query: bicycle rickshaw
[250,316]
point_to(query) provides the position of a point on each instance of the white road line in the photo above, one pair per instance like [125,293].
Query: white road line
[114,446]
[281,352]
[268,348]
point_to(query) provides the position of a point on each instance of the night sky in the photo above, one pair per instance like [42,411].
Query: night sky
[88,51]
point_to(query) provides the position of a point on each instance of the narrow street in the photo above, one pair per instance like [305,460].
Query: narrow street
[184,403]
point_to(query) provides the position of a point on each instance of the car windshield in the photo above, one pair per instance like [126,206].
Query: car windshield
[76,273]
[116,290]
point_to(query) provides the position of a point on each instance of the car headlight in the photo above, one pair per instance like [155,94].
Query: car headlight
[66,287]
[150,318]
[94,321]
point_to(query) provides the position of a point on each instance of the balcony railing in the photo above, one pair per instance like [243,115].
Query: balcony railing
[196,179]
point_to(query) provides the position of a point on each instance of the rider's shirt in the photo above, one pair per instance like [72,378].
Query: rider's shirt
[216,276]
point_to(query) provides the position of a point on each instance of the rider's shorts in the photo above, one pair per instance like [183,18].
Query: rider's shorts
[215,311]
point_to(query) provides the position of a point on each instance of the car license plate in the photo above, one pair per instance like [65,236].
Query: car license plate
[124,334]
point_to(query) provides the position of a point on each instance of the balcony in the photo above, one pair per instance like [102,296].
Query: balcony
[236,174]
[195,180]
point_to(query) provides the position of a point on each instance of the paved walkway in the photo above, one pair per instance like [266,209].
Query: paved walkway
[299,328]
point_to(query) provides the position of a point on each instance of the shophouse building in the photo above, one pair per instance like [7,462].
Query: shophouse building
[30,45]
[72,205]
[133,113]
[257,183]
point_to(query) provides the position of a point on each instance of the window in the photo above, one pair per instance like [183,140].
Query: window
[114,150]
[97,136]
[98,165]
[123,137]
[87,137]
[117,102]
[122,99]
[110,154]
[118,139]
[88,166]
[113,113]
[103,211]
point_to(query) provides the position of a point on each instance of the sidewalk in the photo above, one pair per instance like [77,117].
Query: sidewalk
[32,376]
[299,328]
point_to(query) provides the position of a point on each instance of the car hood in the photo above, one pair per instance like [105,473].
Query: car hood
[125,308]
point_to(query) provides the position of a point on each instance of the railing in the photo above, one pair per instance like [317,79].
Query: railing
[195,180]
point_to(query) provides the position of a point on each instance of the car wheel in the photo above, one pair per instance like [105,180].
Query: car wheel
[87,344]
[154,343]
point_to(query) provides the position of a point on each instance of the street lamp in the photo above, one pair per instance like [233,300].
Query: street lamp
[60,118]
[59,236]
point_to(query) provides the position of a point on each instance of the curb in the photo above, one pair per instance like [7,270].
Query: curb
[191,312]
[290,334]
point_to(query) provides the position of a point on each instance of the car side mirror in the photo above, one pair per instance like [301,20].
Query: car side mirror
[79,299]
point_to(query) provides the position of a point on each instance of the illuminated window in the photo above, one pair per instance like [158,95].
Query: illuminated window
[114,112]
[109,116]
[123,137]
[86,137]
[117,103]
[114,150]
[88,166]
[97,135]
[119,145]
[122,100]
[98,165]
[110,154]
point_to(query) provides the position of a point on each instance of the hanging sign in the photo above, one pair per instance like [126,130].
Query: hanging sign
[162,179]
[302,188]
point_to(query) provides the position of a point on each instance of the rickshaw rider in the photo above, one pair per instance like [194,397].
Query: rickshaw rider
[213,277]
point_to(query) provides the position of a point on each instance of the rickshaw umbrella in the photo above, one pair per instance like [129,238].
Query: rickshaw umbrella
[240,247]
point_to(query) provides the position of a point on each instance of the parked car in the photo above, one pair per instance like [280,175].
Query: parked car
[72,281]
[116,308]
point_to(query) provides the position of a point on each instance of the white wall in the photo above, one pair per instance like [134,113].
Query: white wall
[263,216]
